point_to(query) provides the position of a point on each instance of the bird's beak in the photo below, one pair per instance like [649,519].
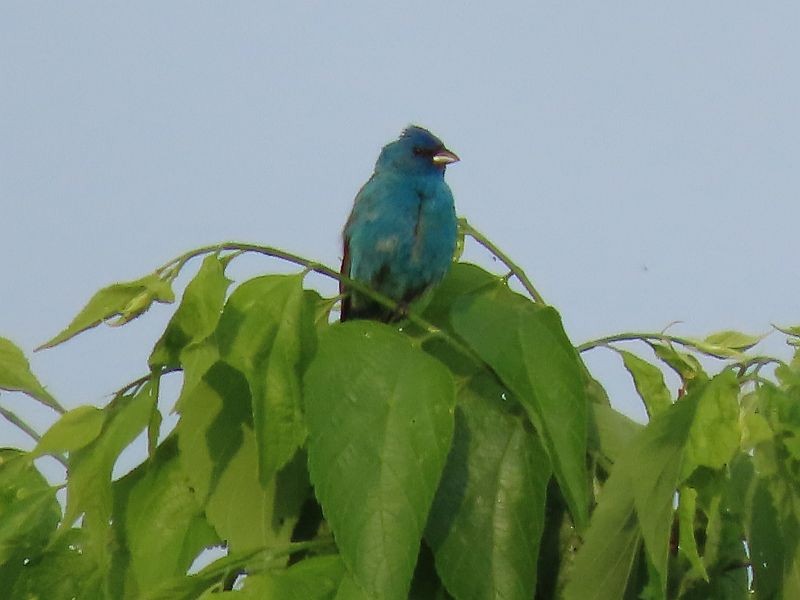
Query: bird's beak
[445,157]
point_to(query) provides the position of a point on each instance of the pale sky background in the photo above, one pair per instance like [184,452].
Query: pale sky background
[640,160]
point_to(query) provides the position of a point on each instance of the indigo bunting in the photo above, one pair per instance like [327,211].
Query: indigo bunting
[401,234]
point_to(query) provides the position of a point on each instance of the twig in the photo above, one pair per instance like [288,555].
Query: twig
[19,423]
[15,420]
[476,235]
[171,268]
[633,337]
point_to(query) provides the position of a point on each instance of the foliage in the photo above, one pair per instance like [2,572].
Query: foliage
[466,453]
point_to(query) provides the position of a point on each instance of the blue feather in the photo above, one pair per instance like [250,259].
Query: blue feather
[401,234]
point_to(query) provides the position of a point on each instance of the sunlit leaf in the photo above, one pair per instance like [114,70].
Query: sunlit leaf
[734,340]
[315,578]
[726,344]
[380,419]
[16,375]
[261,333]
[90,467]
[193,586]
[197,315]
[649,382]
[29,511]
[219,455]
[685,365]
[612,431]
[755,430]
[527,347]
[123,300]
[158,522]
[715,433]
[65,571]
[793,331]
[74,430]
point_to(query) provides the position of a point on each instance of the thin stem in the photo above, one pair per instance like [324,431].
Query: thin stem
[134,385]
[633,337]
[469,230]
[172,267]
[756,363]
[19,423]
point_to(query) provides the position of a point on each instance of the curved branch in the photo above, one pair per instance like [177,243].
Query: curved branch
[476,235]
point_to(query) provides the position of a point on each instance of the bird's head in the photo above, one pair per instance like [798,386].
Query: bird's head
[417,151]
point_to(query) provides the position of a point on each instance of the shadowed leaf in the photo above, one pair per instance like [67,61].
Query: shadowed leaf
[123,300]
[262,331]
[29,511]
[16,375]
[604,563]
[89,472]
[527,347]
[485,525]
[158,522]
[196,316]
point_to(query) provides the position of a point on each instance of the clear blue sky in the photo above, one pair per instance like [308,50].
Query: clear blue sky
[640,160]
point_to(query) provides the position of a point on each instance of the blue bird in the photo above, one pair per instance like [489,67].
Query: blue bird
[401,234]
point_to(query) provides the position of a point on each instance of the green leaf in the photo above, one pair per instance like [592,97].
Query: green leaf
[65,571]
[350,590]
[755,430]
[685,365]
[766,542]
[74,430]
[637,502]
[649,382]
[16,375]
[191,587]
[315,578]
[604,564]
[123,300]
[654,477]
[462,279]
[261,333]
[90,467]
[197,315]
[380,419]
[29,511]
[612,431]
[733,341]
[487,520]
[793,331]
[219,455]
[666,452]
[687,544]
[527,347]
[426,583]
[159,525]
[196,359]
[319,308]
[715,432]
[726,344]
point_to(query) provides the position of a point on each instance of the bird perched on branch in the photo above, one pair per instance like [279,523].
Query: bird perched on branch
[401,234]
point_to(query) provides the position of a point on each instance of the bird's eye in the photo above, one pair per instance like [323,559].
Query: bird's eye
[418,150]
